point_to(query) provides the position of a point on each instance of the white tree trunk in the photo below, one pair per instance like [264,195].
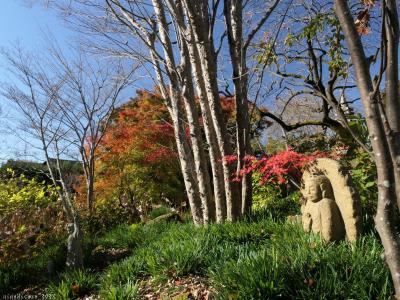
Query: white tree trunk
[206,52]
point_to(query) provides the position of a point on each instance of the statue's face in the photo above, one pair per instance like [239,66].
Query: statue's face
[311,191]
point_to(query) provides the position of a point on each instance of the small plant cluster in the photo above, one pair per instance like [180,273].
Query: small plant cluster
[279,200]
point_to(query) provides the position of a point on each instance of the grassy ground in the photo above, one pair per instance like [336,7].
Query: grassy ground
[257,258]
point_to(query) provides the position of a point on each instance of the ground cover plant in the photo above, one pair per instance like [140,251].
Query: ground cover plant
[256,258]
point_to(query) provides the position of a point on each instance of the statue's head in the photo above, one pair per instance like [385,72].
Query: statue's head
[316,188]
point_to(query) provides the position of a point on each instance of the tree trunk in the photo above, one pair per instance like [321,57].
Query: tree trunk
[90,191]
[74,245]
[200,159]
[187,96]
[190,63]
[74,248]
[392,100]
[382,143]
[198,21]
[187,166]
[233,11]
[213,149]
[392,93]
[194,21]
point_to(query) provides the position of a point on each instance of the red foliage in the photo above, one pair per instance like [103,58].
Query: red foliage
[279,167]
[362,22]
[141,125]
[228,107]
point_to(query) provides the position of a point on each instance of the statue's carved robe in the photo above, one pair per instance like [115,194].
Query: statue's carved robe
[324,217]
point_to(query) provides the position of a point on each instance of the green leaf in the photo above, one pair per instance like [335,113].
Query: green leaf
[369,184]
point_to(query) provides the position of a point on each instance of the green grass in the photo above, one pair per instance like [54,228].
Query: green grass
[122,236]
[126,291]
[76,283]
[295,265]
[256,258]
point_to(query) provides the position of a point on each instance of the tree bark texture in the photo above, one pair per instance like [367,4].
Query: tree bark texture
[380,129]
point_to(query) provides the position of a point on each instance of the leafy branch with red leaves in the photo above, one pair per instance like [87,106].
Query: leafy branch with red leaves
[278,168]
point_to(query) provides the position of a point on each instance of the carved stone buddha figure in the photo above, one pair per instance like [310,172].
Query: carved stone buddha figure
[320,213]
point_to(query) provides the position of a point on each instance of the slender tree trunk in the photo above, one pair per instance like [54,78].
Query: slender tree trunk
[176,86]
[187,166]
[187,95]
[392,92]
[74,245]
[392,100]
[382,143]
[204,42]
[90,186]
[189,65]
[190,53]
[89,195]
[74,242]
[200,159]
[233,11]
[213,149]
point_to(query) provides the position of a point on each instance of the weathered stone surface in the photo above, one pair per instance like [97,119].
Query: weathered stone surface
[331,206]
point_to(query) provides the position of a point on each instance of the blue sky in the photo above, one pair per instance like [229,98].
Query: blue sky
[19,21]
[25,24]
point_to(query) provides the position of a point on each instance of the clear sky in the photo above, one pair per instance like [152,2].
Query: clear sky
[25,24]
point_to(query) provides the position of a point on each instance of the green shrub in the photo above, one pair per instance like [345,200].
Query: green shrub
[275,198]
[131,268]
[60,291]
[179,254]
[106,214]
[257,258]
[19,192]
[241,232]
[363,172]
[30,217]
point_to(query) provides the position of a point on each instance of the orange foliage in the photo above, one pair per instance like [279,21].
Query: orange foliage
[140,134]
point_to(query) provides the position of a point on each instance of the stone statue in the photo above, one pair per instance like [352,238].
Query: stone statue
[320,213]
[331,207]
